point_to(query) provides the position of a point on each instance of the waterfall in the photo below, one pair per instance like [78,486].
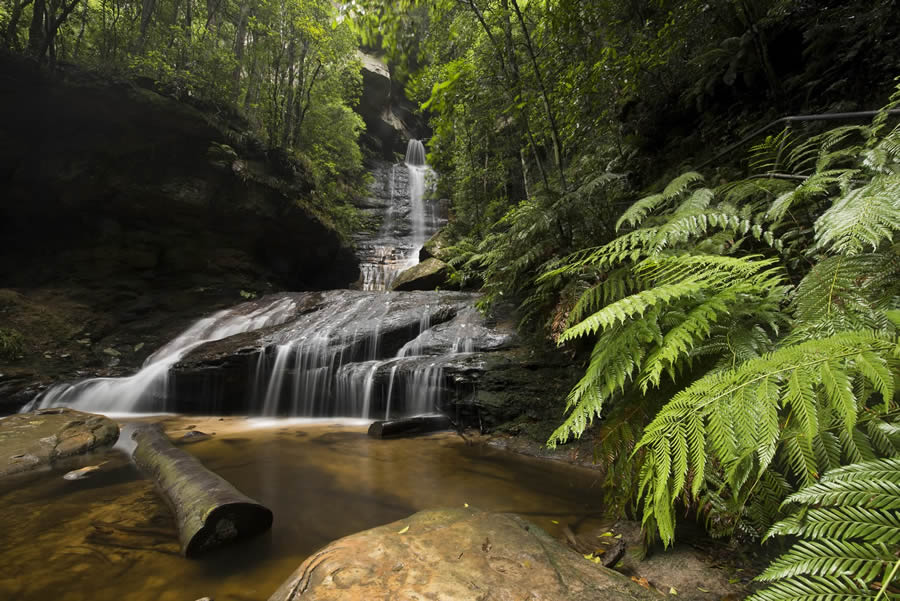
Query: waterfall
[415,153]
[147,389]
[368,353]
[408,220]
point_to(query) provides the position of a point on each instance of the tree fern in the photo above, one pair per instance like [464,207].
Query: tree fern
[788,386]
[849,525]
[862,218]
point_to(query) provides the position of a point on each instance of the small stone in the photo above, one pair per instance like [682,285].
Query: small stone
[194,436]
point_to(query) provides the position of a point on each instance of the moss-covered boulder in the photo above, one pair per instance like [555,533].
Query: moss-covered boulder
[436,247]
[454,555]
[32,440]
[427,275]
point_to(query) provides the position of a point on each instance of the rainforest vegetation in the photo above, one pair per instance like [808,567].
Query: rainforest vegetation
[623,173]
[286,70]
[588,149]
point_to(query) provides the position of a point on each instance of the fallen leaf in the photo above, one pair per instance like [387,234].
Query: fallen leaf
[554,521]
[465,505]
[404,530]
[642,581]
[673,590]
[618,536]
[702,590]
[605,534]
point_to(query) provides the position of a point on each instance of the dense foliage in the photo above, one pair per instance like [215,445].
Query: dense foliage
[288,67]
[761,294]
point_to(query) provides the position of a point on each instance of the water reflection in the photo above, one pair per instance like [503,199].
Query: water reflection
[111,538]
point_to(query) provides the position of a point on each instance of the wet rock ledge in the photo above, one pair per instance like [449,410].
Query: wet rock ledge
[454,555]
[32,440]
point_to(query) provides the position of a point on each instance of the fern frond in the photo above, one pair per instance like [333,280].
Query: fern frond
[862,218]
[851,528]
[829,558]
[795,372]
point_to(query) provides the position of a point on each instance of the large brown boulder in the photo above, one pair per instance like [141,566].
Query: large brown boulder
[454,555]
[427,275]
[31,440]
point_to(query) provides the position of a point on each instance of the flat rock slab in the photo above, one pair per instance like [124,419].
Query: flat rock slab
[31,440]
[454,555]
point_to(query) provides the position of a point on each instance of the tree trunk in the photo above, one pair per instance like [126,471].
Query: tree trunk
[147,7]
[410,426]
[554,130]
[240,39]
[290,93]
[36,30]
[11,41]
[209,512]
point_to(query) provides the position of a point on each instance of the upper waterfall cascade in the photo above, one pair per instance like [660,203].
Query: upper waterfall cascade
[409,219]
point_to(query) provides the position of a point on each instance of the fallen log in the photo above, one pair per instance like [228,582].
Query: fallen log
[209,512]
[410,426]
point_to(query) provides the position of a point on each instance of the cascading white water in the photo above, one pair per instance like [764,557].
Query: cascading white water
[418,173]
[146,390]
[409,220]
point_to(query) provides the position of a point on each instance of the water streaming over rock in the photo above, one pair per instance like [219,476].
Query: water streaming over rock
[408,219]
[148,389]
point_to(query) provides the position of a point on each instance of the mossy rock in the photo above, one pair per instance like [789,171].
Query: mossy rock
[427,275]
[32,440]
[436,247]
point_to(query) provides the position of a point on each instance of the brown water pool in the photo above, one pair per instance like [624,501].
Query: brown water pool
[110,538]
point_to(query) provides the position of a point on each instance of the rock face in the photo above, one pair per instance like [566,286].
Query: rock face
[131,183]
[32,440]
[129,213]
[454,555]
[389,116]
[427,275]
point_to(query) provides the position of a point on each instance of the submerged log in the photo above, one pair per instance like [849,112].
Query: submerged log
[410,426]
[209,512]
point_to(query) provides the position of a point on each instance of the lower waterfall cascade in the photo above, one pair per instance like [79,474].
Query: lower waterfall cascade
[345,353]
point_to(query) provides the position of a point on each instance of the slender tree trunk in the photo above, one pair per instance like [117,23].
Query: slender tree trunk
[554,130]
[11,40]
[509,70]
[84,15]
[36,30]
[306,105]
[53,23]
[147,7]
[252,83]
[240,38]
[289,101]
[188,35]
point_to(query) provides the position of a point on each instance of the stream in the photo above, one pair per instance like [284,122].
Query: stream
[111,538]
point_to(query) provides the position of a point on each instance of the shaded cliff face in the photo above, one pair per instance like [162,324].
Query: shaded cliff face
[390,117]
[124,215]
[105,179]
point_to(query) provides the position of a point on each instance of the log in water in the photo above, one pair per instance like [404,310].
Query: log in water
[410,426]
[209,512]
